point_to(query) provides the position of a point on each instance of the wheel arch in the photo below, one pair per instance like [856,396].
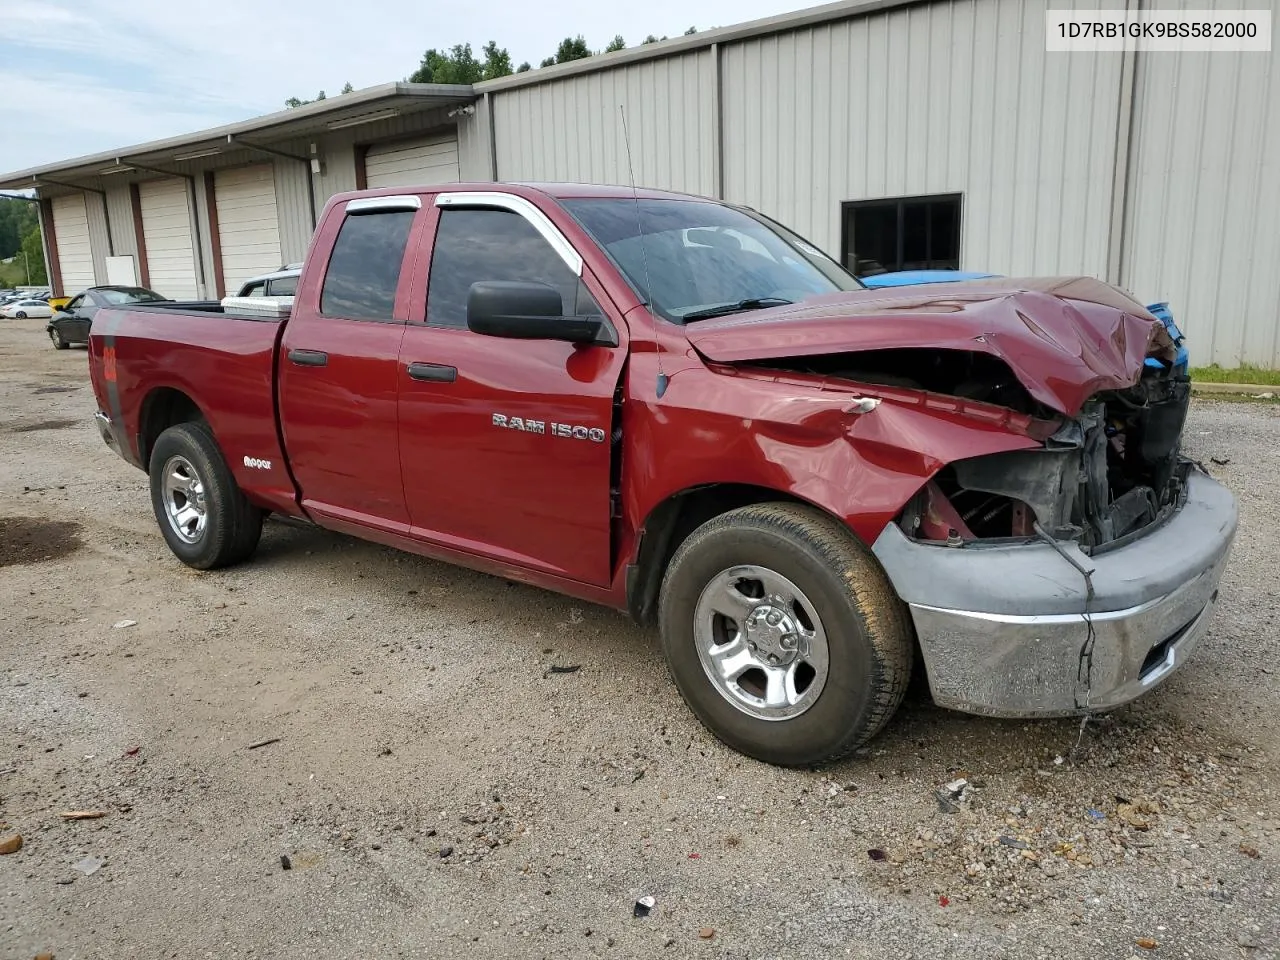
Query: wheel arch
[162,408]
[670,522]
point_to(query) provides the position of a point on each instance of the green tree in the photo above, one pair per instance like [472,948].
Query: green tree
[497,62]
[616,44]
[32,254]
[571,48]
[524,67]
[17,218]
[294,102]
[652,39]
[691,31]
[458,65]
[348,88]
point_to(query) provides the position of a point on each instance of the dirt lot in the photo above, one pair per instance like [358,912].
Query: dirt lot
[439,792]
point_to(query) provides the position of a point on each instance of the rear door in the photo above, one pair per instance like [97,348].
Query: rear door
[337,366]
[505,445]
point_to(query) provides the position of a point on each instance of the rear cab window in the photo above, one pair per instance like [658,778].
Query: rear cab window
[364,268]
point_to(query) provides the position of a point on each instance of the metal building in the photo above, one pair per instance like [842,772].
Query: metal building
[893,133]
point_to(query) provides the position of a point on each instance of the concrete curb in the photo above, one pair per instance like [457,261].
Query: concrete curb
[1243,389]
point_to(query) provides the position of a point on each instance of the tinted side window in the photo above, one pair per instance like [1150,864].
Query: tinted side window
[254,289]
[476,245]
[284,287]
[365,266]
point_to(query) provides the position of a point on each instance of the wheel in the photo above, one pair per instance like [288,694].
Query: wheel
[21,314]
[784,635]
[203,516]
[58,342]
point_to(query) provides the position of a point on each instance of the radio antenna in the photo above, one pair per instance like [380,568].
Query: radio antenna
[663,379]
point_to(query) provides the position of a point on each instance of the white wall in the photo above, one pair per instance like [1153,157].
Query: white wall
[1203,213]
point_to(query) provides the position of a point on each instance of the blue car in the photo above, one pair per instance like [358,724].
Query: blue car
[907,278]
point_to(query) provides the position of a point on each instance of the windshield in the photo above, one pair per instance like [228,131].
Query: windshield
[704,259]
[128,295]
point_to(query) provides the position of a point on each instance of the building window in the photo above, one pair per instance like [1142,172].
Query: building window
[906,233]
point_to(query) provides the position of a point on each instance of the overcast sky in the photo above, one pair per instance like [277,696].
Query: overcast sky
[80,76]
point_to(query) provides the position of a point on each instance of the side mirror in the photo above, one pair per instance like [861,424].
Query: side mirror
[526,310]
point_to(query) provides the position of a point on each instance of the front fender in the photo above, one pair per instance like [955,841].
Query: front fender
[799,436]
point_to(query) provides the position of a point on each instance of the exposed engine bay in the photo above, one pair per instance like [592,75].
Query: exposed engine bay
[1100,478]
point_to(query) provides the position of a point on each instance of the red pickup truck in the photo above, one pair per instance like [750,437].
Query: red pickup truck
[679,408]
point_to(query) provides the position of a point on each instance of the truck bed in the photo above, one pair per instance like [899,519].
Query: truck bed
[143,356]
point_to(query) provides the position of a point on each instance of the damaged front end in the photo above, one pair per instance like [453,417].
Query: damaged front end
[1070,578]
[1068,573]
[1102,477]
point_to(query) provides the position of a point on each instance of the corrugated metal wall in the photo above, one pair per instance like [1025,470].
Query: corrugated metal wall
[293,206]
[571,129]
[1204,199]
[930,99]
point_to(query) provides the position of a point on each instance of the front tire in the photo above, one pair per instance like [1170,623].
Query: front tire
[58,342]
[21,314]
[783,634]
[202,513]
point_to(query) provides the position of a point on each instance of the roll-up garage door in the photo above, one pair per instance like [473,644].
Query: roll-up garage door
[409,163]
[75,253]
[248,230]
[166,230]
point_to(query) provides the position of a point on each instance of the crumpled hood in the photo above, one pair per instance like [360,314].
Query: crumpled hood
[1064,338]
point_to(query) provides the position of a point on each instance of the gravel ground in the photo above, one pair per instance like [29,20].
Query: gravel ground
[438,792]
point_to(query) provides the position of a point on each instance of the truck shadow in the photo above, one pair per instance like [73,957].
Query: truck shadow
[608,641]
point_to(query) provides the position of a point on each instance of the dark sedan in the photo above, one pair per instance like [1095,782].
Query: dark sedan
[71,324]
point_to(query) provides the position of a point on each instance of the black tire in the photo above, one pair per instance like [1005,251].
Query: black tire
[58,342]
[232,525]
[22,315]
[870,642]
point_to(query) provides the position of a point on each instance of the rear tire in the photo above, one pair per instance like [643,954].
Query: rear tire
[202,513]
[58,342]
[21,315]
[820,644]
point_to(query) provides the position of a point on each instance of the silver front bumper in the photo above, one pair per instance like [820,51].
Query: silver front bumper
[1009,630]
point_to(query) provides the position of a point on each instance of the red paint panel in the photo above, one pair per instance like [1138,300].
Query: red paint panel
[797,439]
[1063,348]
[339,420]
[518,494]
[223,365]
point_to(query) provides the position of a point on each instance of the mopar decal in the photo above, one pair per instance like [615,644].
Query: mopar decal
[257,464]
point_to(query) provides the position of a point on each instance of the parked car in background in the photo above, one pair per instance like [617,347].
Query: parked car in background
[906,278]
[282,283]
[71,324]
[27,307]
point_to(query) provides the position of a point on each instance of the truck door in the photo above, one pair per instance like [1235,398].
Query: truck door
[505,445]
[338,367]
